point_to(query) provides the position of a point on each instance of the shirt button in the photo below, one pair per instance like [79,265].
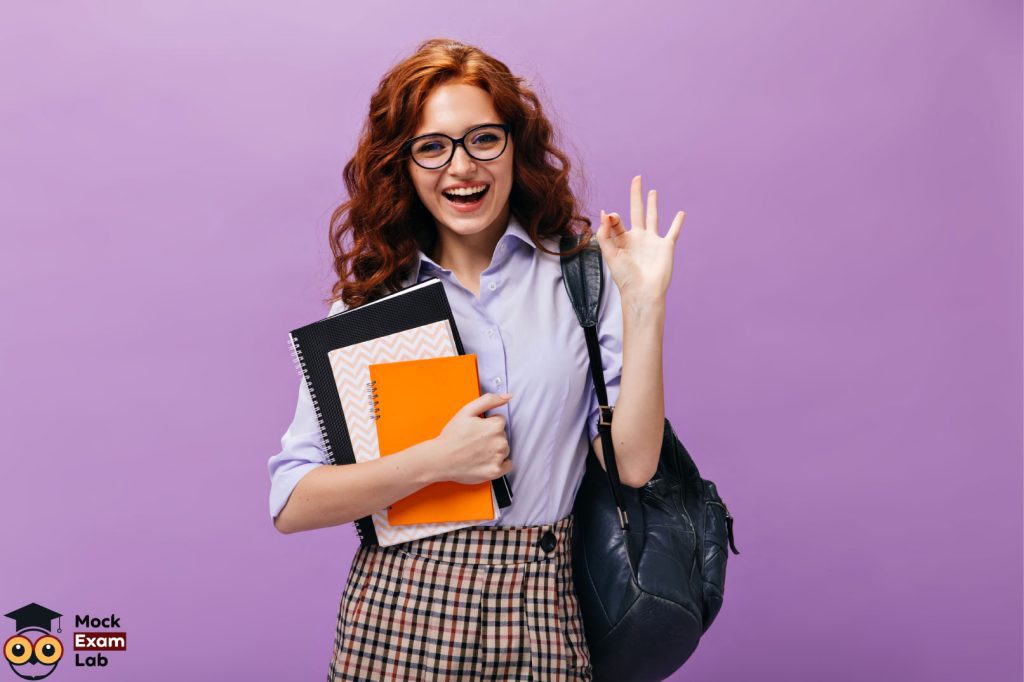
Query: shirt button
[501,247]
[490,332]
[497,381]
[492,286]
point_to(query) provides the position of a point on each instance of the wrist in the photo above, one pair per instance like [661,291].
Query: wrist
[643,310]
[428,457]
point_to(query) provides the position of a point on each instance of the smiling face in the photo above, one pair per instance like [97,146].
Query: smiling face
[453,109]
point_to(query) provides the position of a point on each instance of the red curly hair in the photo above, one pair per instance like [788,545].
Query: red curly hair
[374,235]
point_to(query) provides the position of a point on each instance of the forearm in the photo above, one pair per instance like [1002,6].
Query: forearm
[333,495]
[637,424]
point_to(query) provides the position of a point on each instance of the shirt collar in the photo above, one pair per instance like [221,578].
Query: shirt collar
[517,230]
[514,229]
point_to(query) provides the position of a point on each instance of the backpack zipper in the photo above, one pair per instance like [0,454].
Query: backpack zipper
[728,525]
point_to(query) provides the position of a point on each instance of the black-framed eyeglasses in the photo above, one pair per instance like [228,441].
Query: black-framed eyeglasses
[484,143]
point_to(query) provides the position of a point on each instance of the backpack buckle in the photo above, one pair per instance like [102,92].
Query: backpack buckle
[602,421]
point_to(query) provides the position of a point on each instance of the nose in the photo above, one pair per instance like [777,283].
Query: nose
[461,162]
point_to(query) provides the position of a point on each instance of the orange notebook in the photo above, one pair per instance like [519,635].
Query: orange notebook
[415,400]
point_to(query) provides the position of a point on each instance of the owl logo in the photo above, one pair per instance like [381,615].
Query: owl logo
[33,652]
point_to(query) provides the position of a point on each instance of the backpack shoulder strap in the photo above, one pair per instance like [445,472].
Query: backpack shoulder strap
[584,280]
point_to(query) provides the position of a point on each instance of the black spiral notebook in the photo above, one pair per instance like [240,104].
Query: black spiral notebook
[314,345]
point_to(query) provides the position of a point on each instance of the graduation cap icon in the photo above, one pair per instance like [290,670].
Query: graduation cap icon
[34,616]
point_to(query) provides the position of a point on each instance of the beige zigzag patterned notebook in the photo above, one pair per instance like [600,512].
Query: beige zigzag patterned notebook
[352,377]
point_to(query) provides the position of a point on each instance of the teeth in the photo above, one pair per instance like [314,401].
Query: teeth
[466,191]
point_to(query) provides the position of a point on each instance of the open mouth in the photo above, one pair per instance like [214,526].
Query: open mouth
[466,199]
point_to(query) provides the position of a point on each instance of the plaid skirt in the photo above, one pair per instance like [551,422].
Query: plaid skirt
[477,603]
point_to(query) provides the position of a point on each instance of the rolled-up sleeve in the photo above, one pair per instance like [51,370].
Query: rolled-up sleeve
[302,448]
[609,337]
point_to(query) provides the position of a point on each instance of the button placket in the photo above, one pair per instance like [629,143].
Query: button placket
[491,361]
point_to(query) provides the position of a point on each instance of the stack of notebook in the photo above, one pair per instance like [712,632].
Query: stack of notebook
[387,375]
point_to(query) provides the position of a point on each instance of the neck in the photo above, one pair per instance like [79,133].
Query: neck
[470,253]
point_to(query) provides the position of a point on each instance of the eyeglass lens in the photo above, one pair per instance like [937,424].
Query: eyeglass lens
[483,144]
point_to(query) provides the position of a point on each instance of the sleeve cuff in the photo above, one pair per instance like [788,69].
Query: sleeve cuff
[283,483]
[301,451]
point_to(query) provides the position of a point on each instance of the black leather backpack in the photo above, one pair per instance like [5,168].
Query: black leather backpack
[649,562]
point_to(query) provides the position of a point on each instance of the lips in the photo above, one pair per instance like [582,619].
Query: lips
[466,195]
[467,201]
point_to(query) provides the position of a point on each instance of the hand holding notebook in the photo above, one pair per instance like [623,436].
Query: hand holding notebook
[476,445]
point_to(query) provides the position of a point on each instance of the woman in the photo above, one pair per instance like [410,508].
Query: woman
[453,178]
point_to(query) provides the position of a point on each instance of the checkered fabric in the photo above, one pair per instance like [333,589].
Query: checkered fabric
[478,603]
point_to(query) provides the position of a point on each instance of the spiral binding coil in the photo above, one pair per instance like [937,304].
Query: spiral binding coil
[300,365]
[372,400]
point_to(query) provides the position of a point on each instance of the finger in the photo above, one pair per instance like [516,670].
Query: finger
[652,211]
[609,224]
[676,227]
[636,205]
[602,227]
[615,226]
[487,401]
[601,233]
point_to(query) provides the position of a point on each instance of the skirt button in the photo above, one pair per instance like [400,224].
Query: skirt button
[548,542]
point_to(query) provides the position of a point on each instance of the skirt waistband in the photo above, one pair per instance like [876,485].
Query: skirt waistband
[495,545]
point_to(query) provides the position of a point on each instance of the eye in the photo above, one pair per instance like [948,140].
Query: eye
[430,147]
[18,649]
[48,649]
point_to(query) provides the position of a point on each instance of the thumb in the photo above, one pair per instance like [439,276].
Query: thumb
[604,234]
[487,401]
[602,228]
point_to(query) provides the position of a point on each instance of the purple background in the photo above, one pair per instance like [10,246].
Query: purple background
[843,346]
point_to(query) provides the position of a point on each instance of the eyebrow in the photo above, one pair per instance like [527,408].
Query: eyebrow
[476,125]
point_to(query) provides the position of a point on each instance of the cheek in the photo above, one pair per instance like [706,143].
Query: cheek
[423,186]
[504,177]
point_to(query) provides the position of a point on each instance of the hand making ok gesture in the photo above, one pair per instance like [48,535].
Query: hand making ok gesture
[640,261]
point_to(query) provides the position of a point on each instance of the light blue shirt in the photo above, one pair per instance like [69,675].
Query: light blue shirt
[529,343]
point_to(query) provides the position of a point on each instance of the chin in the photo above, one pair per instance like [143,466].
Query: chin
[463,225]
